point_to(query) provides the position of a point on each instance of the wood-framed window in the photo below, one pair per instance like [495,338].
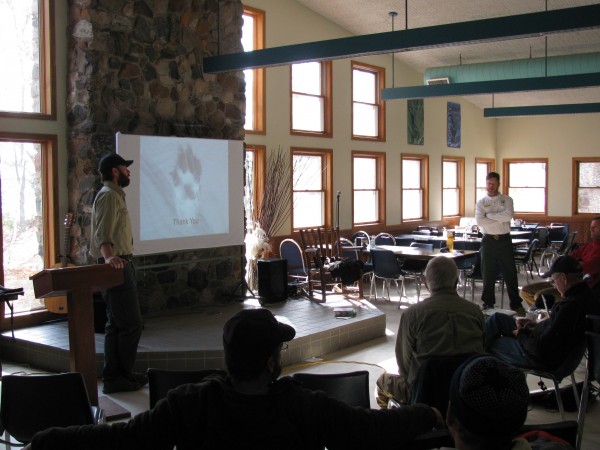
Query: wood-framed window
[310,105]
[255,168]
[253,38]
[368,188]
[483,166]
[526,182]
[368,109]
[28,205]
[586,192]
[312,195]
[453,186]
[415,185]
[28,76]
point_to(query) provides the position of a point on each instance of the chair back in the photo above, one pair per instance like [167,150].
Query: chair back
[161,381]
[567,243]
[348,253]
[289,249]
[385,239]
[385,263]
[423,245]
[321,241]
[351,388]
[32,403]
[541,234]
[361,237]
[404,241]
[433,380]
[592,335]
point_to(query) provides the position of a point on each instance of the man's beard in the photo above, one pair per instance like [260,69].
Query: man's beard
[123,180]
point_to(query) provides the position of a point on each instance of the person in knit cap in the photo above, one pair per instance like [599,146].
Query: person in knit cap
[488,402]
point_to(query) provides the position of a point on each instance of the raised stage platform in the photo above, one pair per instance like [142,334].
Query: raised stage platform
[192,339]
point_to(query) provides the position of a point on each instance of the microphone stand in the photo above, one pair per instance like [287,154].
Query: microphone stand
[337,214]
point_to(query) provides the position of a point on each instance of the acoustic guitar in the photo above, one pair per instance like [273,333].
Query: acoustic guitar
[58,305]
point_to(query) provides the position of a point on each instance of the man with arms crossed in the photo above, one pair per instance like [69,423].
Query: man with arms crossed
[112,243]
[493,214]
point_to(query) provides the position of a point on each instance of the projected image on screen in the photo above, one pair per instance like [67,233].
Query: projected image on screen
[185,194]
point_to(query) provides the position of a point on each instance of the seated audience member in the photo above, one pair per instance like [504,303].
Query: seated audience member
[488,405]
[444,324]
[547,343]
[250,408]
[587,254]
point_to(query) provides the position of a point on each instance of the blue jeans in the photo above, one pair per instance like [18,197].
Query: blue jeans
[124,326]
[501,343]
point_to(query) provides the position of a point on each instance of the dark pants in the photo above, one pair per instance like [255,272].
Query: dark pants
[497,257]
[501,342]
[124,326]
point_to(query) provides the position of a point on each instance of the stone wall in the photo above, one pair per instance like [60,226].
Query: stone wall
[136,67]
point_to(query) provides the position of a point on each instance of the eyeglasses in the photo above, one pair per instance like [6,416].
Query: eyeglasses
[284,346]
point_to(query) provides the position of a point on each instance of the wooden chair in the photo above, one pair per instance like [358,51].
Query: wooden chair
[321,246]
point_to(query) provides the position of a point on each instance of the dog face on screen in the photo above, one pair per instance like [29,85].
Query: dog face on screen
[186,176]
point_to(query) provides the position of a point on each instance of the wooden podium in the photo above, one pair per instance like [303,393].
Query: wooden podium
[78,284]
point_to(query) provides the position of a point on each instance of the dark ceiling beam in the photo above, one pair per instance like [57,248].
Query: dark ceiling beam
[493,87]
[542,110]
[478,31]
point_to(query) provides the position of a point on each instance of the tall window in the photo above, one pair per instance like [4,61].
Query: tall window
[368,110]
[483,166]
[453,182]
[586,195]
[253,38]
[415,173]
[526,181]
[312,193]
[27,78]
[28,165]
[311,99]
[368,188]
[255,179]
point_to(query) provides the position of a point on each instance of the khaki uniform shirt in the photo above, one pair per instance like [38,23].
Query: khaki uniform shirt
[110,222]
[444,324]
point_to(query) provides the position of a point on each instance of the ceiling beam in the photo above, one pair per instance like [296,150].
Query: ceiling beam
[542,110]
[478,31]
[493,87]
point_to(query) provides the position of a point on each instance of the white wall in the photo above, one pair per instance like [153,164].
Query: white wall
[287,22]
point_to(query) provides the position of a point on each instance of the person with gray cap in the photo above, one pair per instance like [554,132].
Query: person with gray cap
[488,402]
[250,407]
[547,343]
[112,243]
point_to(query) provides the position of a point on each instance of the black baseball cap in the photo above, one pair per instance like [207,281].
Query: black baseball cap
[564,264]
[255,333]
[112,160]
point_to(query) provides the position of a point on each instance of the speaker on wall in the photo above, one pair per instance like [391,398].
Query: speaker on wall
[272,279]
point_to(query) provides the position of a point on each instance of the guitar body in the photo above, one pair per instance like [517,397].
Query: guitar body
[58,305]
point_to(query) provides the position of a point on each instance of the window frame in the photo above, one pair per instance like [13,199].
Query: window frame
[491,167]
[47,50]
[49,172]
[326,95]
[258,176]
[380,81]
[460,176]
[326,182]
[424,159]
[506,181]
[575,191]
[259,88]
[380,169]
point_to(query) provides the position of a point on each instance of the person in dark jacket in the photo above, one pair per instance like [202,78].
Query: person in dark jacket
[250,407]
[546,344]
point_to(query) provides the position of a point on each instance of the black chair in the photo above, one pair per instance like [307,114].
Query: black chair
[552,252]
[566,369]
[161,381]
[290,250]
[412,268]
[385,239]
[351,387]
[525,259]
[32,403]
[433,380]
[361,238]
[592,332]
[387,268]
